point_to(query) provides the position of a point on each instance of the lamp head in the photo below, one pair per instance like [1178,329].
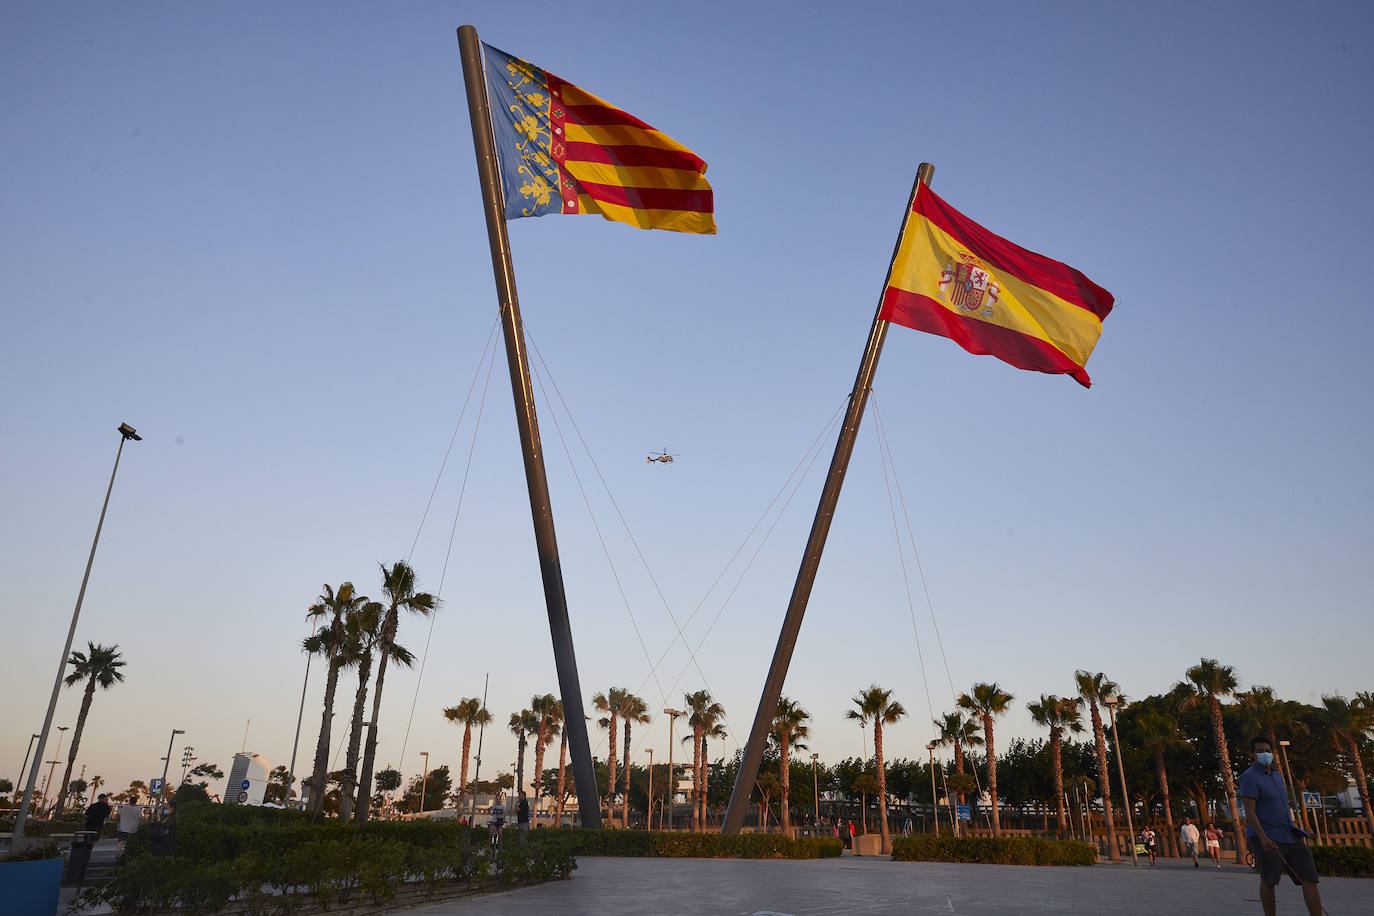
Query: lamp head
[128,432]
[1283,743]
[930,746]
[1111,701]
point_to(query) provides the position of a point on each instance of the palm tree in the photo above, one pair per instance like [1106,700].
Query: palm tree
[877,706]
[787,731]
[704,715]
[1057,715]
[987,701]
[1156,735]
[632,709]
[540,706]
[610,703]
[469,712]
[958,730]
[335,605]
[1350,722]
[362,640]
[1093,689]
[98,667]
[1262,713]
[398,590]
[521,725]
[1212,680]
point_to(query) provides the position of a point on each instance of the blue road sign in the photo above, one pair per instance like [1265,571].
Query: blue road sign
[962,812]
[155,786]
[1311,800]
[244,785]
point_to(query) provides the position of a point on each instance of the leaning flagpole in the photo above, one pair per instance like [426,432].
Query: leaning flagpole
[565,660]
[815,544]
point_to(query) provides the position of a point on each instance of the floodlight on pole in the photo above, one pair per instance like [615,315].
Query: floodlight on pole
[934,799]
[649,822]
[424,781]
[815,791]
[126,433]
[167,761]
[672,715]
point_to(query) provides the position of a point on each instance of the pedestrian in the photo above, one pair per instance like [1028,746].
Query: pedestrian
[129,817]
[906,827]
[1147,836]
[1213,837]
[162,837]
[97,814]
[522,815]
[1279,846]
[1189,836]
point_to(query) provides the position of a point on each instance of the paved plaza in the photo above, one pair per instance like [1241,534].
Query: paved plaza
[877,886]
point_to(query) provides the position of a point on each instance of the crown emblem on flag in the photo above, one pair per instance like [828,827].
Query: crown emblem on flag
[966,285]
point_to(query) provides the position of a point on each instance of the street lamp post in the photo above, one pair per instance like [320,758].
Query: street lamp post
[126,433]
[649,822]
[300,716]
[167,761]
[424,781]
[1121,769]
[672,715]
[61,733]
[25,765]
[1288,774]
[935,804]
[815,791]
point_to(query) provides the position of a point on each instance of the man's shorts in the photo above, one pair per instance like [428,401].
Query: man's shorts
[1190,849]
[1300,867]
[124,836]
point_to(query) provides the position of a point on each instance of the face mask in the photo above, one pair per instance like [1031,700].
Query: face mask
[1264,758]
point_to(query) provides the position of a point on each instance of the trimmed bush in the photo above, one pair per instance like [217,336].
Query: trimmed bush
[1344,861]
[1021,850]
[699,845]
[273,862]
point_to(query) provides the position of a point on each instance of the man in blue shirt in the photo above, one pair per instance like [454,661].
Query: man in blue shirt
[1277,844]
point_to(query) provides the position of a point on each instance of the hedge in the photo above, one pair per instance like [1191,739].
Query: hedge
[269,862]
[1344,861]
[698,845]
[990,851]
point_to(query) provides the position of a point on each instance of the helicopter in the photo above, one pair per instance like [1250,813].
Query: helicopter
[662,457]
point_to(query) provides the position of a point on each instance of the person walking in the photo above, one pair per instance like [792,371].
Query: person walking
[97,814]
[1188,835]
[1279,846]
[1213,837]
[1148,837]
[127,825]
[522,816]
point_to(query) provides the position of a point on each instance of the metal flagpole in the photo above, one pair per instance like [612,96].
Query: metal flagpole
[560,628]
[806,576]
[300,717]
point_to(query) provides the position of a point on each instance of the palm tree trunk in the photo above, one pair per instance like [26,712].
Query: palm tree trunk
[610,767]
[1056,751]
[1104,783]
[541,739]
[1359,779]
[696,778]
[319,776]
[1228,778]
[562,772]
[992,774]
[882,783]
[784,778]
[625,822]
[521,743]
[76,743]
[1170,841]
[370,754]
[349,785]
[463,766]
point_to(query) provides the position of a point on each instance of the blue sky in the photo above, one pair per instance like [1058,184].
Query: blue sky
[255,234]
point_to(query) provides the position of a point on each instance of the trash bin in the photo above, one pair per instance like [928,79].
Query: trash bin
[79,857]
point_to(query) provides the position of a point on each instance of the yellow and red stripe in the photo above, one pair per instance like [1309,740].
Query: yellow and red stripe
[612,163]
[954,278]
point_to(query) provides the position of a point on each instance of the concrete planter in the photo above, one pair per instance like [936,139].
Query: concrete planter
[868,845]
[30,888]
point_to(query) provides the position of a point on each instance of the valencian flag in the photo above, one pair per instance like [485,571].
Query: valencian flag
[954,278]
[563,150]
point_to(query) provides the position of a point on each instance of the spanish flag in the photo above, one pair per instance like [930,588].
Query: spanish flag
[563,150]
[954,278]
